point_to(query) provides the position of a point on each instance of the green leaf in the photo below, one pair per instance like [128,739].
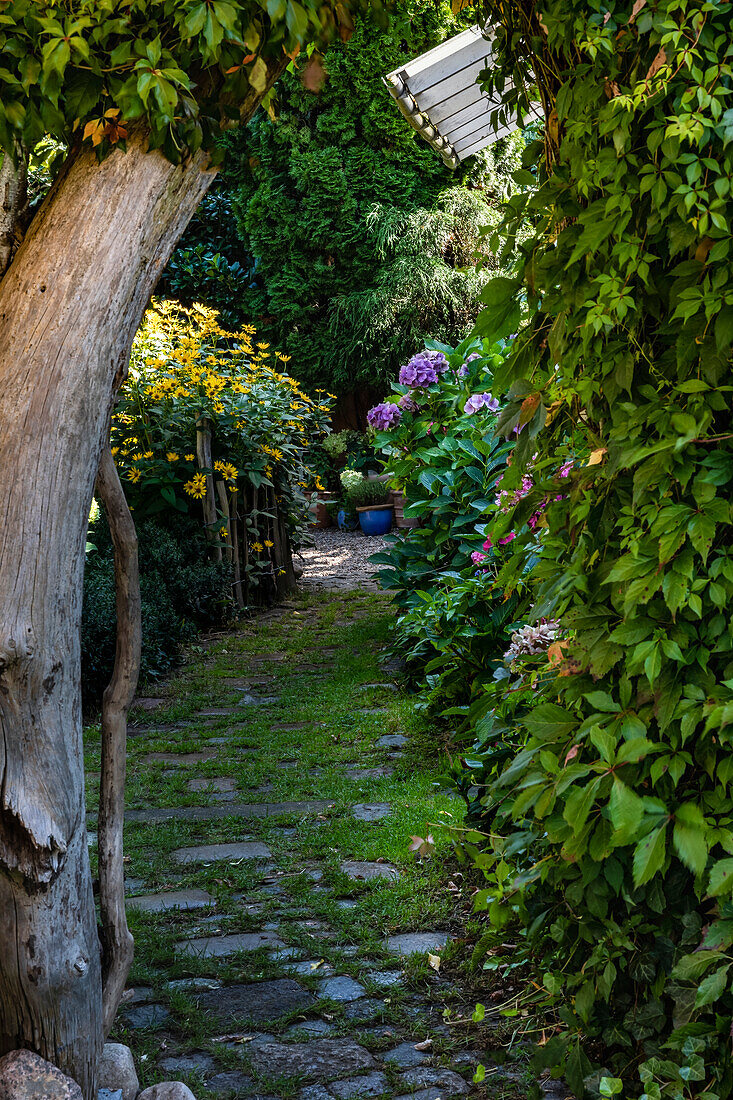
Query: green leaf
[649,855]
[713,987]
[626,810]
[721,878]
[691,847]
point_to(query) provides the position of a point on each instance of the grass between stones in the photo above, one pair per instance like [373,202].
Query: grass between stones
[268,740]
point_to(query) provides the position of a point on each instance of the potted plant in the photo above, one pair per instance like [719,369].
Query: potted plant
[346,518]
[370,499]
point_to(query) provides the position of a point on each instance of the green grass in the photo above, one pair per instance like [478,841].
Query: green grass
[321,723]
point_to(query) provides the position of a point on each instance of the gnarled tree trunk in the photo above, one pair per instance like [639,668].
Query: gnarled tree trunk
[70,304]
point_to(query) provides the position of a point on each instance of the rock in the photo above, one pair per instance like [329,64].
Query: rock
[205,853]
[218,947]
[221,783]
[319,1060]
[256,1001]
[371,1084]
[364,1010]
[314,1092]
[405,1055]
[366,871]
[193,985]
[422,1094]
[414,943]
[384,979]
[309,1027]
[117,1070]
[107,1094]
[146,1016]
[341,988]
[392,741]
[232,1080]
[371,811]
[153,814]
[196,1062]
[167,1090]
[173,899]
[450,1083]
[26,1076]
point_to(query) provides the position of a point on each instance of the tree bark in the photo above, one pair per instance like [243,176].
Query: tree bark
[13,196]
[234,525]
[117,942]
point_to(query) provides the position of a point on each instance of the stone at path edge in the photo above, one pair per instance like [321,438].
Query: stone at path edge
[24,1074]
[392,741]
[421,1077]
[371,1084]
[341,988]
[167,1090]
[371,811]
[117,1070]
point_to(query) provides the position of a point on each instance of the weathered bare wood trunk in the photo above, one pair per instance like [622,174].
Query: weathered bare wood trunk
[208,502]
[69,307]
[117,942]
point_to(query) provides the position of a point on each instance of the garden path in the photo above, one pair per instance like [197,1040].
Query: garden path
[339,561]
[284,931]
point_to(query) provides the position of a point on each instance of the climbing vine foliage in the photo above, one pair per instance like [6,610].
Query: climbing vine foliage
[89,68]
[612,825]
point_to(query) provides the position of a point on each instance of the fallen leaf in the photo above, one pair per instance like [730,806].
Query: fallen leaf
[422,846]
[638,5]
[656,65]
[315,965]
[426,1044]
[596,457]
[434,961]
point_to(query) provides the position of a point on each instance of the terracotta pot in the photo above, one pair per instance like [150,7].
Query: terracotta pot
[398,503]
[320,518]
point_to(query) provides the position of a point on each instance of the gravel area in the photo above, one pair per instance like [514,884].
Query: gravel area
[339,560]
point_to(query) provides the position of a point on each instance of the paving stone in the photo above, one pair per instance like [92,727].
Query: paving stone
[406,1055]
[232,1080]
[421,1094]
[385,979]
[221,783]
[384,771]
[365,1010]
[216,813]
[366,871]
[146,1016]
[314,1092]
[91,839]
[318,1060]
[180,757]
[109,1094]
[174,899]
[348,903]
[217,947]
[138,995]
[341,988]
[392,741]
[310,1027]
[371,1084]
[196,1062]
[427,1076]
[256,1001]
[371,811]
[311,967]
[192,985]
[414,943]
[210,853]
[148,703]
[215,712]
[248,700]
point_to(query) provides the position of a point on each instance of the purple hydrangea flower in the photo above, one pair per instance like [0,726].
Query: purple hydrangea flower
[438,360]
[408,403]
[385,416]
[481,401]
[420,372]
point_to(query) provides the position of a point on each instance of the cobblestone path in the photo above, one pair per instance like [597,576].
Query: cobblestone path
[288,943]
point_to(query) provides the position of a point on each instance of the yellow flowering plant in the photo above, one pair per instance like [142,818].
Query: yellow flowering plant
[185,371]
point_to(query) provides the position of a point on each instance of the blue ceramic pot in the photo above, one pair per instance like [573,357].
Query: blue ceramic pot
[346,521]
[375,521]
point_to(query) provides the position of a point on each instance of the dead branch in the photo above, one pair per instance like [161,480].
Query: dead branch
[117,943]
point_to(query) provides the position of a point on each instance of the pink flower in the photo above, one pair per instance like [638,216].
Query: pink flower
[565,469]
[488,545]
[507,538]
[477,557]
